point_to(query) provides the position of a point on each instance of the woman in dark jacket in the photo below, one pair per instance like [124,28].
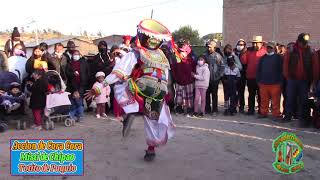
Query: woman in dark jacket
[78,74]
[102,60]
[36,61]
[38,97]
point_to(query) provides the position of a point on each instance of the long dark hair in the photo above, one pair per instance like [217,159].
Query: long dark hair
[43,57]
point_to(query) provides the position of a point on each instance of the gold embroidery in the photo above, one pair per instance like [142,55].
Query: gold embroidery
[148,104]
[157,89]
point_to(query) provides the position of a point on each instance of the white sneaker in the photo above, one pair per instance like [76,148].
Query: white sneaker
[98,116]
[104,115]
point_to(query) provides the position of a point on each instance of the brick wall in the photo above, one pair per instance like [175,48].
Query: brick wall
[278,20]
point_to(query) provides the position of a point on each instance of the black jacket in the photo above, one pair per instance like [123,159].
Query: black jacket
[72,85]
[101,63]
[59,65]
[67,55]
[30,64]
[39,93]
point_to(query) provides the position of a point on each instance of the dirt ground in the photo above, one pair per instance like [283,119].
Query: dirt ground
[221,147]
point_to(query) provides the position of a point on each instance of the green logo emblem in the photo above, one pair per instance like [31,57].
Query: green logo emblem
[288,149]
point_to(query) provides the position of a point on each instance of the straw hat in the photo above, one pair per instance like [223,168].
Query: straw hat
[257,39]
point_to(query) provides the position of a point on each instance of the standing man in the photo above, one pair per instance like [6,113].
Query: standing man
[252,59]
[240,51]
[71,46]
[58,61]
[300,69]
[15,39]
[216,67]
[269,79]
[101,60]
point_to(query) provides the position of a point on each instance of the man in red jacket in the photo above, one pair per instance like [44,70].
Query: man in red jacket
[301,69]
[251,59]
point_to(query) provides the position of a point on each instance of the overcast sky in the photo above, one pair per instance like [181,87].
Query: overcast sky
[111,16]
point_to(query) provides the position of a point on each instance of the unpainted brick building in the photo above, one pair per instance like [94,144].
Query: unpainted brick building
[277,20]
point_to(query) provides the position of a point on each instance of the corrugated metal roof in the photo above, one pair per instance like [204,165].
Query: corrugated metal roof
[53,41]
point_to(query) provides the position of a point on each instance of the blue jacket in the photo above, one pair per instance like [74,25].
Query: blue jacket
[269,70]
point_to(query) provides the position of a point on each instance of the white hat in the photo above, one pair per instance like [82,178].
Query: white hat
[257,39]
[100,74]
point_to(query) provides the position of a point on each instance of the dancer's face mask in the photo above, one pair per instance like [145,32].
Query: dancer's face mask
[149,42]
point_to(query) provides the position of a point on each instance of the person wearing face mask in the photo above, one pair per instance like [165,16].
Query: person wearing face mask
[101,61]
[18,62]
[202,77]
[15,39]
[251,59]
[227,52]
[269,78]
[230,78]
[78,73]
[301,69]
[58,61]
[240,51]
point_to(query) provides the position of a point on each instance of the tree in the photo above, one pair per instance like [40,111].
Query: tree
[187,33]
[217,36]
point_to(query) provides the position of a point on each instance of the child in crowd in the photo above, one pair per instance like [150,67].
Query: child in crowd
[77,108]
[38,97]
[102,93]
[14,98]
[231,76]
[202,77]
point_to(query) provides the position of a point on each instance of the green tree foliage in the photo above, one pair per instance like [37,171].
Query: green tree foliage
[187,33]
[217,36]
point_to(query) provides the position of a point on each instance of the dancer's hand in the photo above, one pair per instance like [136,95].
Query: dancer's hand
[89,95]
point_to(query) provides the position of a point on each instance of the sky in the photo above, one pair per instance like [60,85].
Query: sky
[111,16]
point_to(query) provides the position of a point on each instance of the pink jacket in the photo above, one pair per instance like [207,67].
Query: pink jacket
[202,76]
[101,92]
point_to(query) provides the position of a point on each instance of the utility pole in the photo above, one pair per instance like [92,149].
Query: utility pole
[151,13]
[34,22]
[275,21]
